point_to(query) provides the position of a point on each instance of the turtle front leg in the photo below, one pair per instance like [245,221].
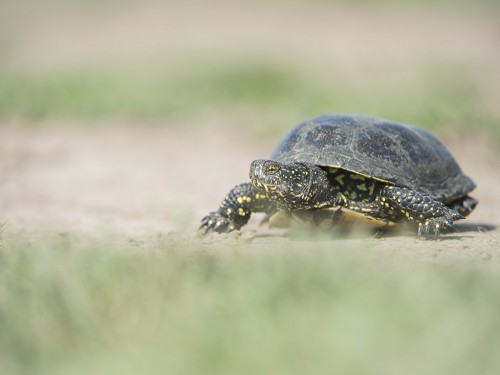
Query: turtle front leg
[430,214]
[235,210]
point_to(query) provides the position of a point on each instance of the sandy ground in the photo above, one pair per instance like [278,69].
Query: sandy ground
[141,184]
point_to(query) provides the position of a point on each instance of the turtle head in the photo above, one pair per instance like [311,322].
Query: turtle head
[291,186]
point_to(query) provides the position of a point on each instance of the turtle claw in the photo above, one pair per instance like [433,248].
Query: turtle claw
[434,225]
[215,222]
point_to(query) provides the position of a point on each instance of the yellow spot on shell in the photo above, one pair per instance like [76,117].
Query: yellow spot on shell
[229,211]
[240,200]
[361,187]
[355,176]
[340,179]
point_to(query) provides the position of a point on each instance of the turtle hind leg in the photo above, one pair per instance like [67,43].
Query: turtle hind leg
[431,215]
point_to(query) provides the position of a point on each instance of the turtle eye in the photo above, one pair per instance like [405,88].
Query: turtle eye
[271,168]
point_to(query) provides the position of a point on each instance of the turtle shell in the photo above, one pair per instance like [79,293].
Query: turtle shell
[400,154]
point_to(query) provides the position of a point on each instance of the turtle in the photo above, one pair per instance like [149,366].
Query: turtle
[352,168]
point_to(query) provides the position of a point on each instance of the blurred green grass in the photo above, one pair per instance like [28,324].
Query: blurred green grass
[278,95]
[105,308]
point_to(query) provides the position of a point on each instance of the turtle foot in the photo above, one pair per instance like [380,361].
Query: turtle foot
[215,222]
[435,225]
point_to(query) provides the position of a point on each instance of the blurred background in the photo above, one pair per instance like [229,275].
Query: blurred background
[265,64]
